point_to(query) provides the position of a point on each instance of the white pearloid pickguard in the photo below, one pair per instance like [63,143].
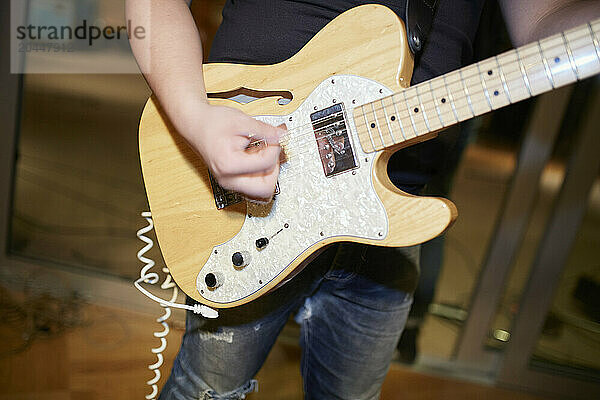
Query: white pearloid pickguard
[313,206]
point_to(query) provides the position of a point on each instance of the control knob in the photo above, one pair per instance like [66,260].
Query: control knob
[213,280]
[240,259]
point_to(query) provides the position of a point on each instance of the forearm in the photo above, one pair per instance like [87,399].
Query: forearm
[171,59]
[170,56]
[535,19]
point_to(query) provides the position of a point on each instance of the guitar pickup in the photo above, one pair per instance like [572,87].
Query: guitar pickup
[225,197]
[333,141]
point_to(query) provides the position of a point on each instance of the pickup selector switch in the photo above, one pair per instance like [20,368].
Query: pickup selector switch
[240,259]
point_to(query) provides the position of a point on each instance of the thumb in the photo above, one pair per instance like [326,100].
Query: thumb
[269,133]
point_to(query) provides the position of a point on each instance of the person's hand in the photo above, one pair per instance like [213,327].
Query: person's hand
[221,136]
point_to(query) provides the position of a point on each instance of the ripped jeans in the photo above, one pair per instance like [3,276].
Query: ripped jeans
[351,302]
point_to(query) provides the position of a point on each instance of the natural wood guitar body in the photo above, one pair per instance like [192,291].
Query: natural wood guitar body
[368,41]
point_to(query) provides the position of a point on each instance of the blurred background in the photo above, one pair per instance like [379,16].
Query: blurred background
[516,311]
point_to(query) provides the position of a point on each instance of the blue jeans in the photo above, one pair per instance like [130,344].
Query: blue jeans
[351,303]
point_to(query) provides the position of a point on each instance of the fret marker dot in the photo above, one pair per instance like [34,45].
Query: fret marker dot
[416,109]
[496,93]
[443,100]
[490,72]
[372,125]
[557,60]
[393,118]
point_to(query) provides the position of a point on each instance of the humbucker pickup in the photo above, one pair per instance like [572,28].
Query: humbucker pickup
[333,142]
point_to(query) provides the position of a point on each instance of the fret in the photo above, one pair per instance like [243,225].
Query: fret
[474,85]
[595,27]
[456,93]
[570,54]
[382,126]
[594,40]
[404,115]
[546,66]
[376,123]
[523,72]
[490,84]
[389,118]
[367,124]
[503,79]
[462,80]
[437,108]
[443,101]
[423,109]
[534,69]
[429,107]
[410,114]
[415,108]
[514,76]
[556,54]
[399,119]
[583,51]
[450,97]
[361,129]
[491,81]
[484,86]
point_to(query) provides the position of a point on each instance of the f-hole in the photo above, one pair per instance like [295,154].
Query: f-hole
[244,95]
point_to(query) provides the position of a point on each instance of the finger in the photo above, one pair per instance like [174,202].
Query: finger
[283,132]
[255,162]
[271,134]
[255,186]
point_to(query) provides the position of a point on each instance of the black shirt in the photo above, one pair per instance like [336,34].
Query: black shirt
[270,31]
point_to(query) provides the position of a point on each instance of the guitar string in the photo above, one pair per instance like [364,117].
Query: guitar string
[292,134]
[465,96]
[290,155]
[297,136]
[297,141]
[302,150]
[310,133]
[561,45]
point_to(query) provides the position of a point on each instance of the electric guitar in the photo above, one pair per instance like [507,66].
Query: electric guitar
[346,101]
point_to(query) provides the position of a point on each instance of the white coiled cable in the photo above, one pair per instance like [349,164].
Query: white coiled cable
[152,278]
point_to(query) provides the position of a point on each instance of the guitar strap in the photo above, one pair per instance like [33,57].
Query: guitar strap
[418,20]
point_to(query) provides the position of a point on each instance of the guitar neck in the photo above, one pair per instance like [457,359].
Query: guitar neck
[490,84]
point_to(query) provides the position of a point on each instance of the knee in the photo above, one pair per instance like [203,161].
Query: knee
[236,394]
[178,388]
[185,383]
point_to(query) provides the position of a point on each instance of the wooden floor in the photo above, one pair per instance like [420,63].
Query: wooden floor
[106,358]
